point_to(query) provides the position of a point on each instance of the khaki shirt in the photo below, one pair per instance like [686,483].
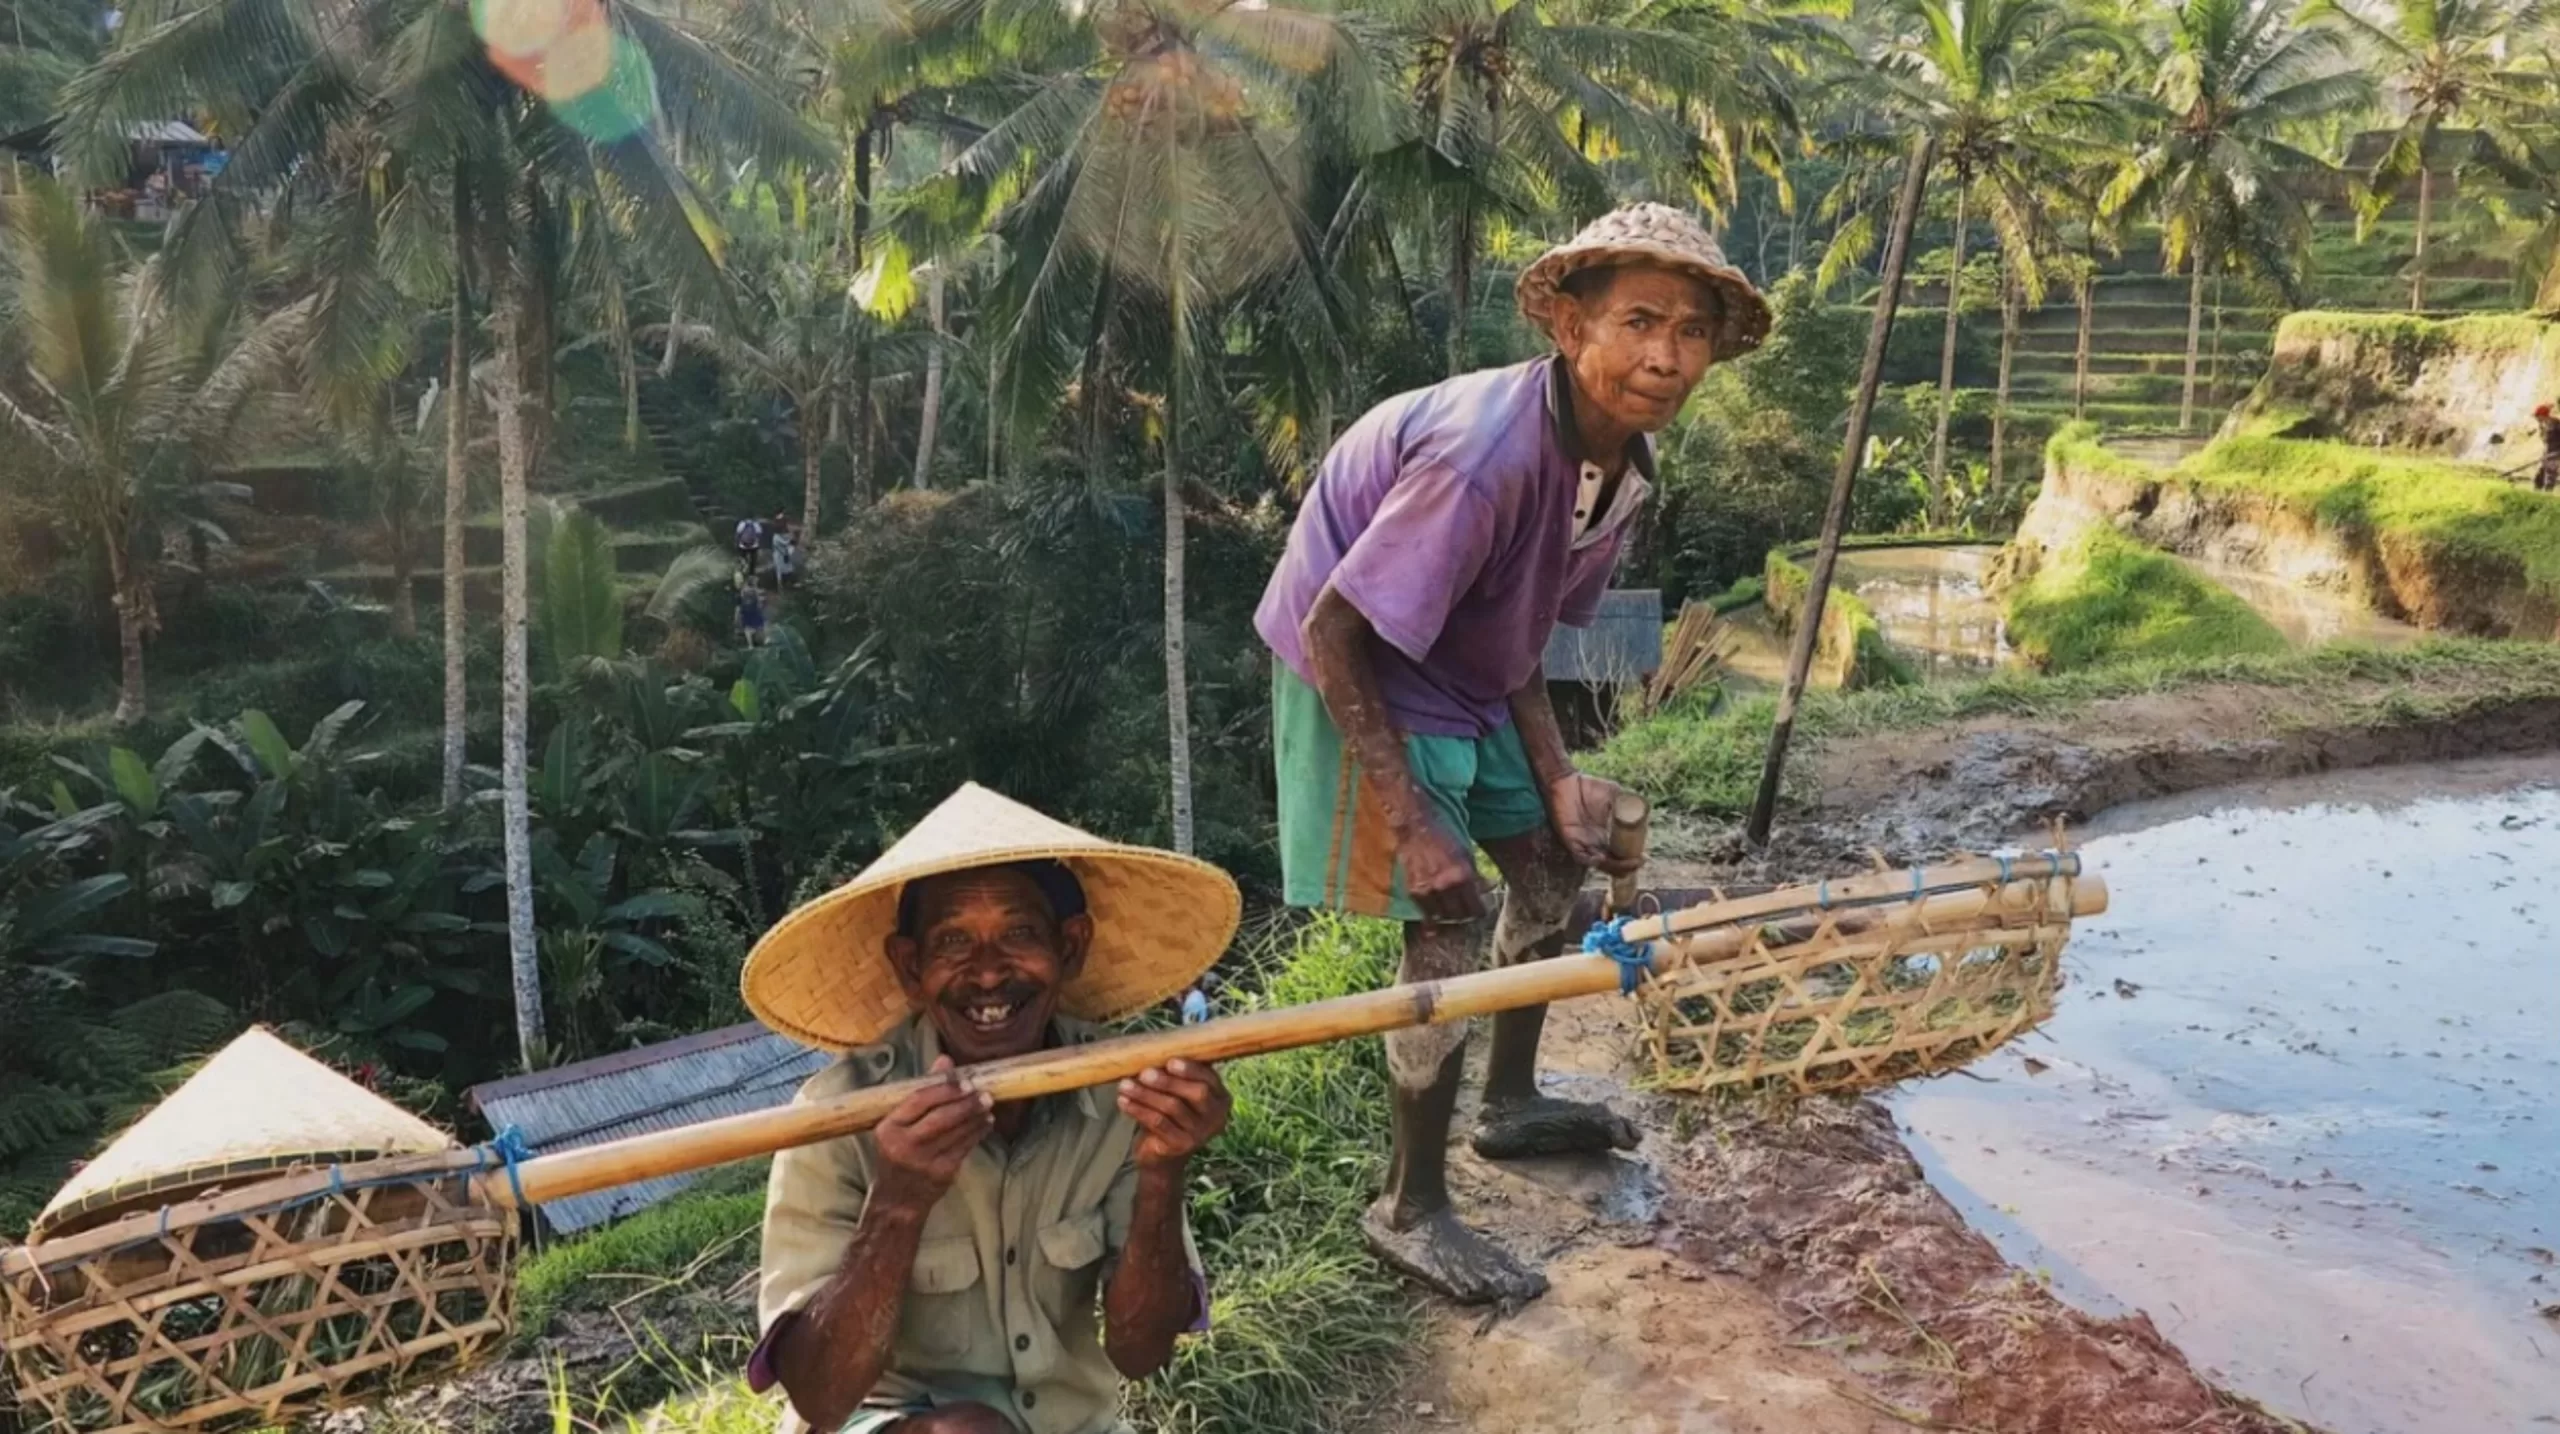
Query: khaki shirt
[1002,1306]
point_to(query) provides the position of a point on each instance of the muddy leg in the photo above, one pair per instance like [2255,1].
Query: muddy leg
[1412,1227]
[1540,880]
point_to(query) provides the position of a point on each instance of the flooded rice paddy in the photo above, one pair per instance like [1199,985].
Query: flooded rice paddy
[2301,1103]
[1934,606]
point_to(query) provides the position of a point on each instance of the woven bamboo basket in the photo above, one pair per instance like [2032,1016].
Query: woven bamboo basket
[274,1238]
[1866,990]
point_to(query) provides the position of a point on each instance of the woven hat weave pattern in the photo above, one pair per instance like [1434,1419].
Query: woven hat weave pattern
[822,976]
[1649,234]
[257,1108]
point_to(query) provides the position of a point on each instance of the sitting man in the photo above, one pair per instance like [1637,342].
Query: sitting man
[941,1273]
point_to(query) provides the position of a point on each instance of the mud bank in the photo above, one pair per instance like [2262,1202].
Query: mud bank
[2463,388]
[2316,536]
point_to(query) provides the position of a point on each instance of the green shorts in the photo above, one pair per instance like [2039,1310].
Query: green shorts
[1335,848]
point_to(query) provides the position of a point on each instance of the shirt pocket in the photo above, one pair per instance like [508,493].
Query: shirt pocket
[1070,1269]
[938,1314]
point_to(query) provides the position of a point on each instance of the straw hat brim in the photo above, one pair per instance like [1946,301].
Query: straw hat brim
[1746,314]
[258,1107]
[822,975]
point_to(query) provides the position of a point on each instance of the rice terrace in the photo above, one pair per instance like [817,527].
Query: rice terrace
[1159,717]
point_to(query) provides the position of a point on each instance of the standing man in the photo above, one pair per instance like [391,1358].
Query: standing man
[1447,534]
[2546,474]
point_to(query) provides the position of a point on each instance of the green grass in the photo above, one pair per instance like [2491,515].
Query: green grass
[2476,527]
[2107,598]
[1709,762]
[661,1242]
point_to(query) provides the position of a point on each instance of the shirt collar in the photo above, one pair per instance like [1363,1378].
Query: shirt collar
[1064,1031]
[1569,439]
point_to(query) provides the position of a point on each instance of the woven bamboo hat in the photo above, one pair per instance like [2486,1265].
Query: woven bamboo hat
[1654,234]
[822,977]
[257,1108]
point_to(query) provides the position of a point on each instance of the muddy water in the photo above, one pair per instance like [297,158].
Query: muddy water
[2308,616]
[2302,1100]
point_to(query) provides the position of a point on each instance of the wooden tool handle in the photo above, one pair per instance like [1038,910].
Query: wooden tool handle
[1628,820]
[1701,939]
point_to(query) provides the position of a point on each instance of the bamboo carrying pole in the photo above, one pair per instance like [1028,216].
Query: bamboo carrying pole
[1950,896]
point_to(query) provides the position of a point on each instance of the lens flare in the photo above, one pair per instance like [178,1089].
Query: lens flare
[594,77]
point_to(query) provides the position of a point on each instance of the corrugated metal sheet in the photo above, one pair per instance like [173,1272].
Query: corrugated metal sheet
[724,1072]
[1622,648]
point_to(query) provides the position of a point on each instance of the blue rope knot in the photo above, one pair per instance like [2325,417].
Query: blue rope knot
[1634,958]
[513,1150]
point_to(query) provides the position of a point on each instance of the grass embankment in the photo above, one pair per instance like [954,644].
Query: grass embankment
[1710,764]
[1852,652]
[2107,598]
[1305,1327]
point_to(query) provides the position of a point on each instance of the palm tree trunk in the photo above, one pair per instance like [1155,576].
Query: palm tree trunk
[514,480]
[1462,274]
[2195,336]
[2213,369]
[861,385]
[809,455]
[2088,297]
[2426,211]
[457,493]
[2000,403]
[929,423]
[1177,674]
[674,345]
[133,617]
[1947,356]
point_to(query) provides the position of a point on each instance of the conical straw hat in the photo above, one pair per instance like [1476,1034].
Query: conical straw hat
[822,977]
[258,1107]
[1649,234]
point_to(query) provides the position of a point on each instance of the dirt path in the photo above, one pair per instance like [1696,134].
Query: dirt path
[1757,1274]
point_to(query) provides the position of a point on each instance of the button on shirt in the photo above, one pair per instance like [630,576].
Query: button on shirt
[1464,524]
[1003,1305]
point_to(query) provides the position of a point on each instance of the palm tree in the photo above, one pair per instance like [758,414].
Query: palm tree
[1156,182]
[1518,107]
[560,179]
[2235,77]
[126,398]
[2003,86]
[2446,62]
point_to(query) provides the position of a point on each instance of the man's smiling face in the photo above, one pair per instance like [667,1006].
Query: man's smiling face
[987,961]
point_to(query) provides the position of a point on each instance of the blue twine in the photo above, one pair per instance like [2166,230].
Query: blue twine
[511,1147]
[2004,870]
[1822,894]
[164,1220]
[1195,1007]
[337,1181]
[1634,958]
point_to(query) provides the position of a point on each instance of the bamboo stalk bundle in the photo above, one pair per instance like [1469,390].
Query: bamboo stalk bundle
[1699,644]
[251,1298]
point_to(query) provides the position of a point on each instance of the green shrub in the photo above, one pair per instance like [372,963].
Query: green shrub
[2107,598]
[1305,1326]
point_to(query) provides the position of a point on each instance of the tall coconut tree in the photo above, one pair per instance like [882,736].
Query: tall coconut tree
[2003,86]
[559,122]
[1532,110]
[2445,63]
[122,398]
[1140,179]
[2236,78]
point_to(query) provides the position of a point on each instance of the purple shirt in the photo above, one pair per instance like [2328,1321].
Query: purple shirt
[1447,516]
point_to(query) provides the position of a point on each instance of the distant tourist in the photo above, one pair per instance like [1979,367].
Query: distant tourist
[786,553]
[751,611]
[750,545]
[2547,477]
